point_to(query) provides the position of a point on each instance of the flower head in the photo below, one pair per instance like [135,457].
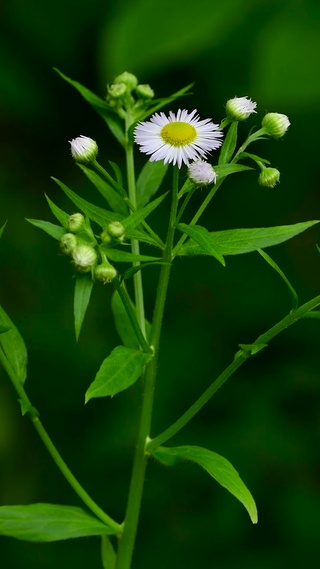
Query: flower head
[83,149]
[275,124]
[179,138]
[84,257]
[269,177]
[202,173]
[240,108]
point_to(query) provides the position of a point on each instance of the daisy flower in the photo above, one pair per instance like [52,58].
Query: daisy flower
[179,138]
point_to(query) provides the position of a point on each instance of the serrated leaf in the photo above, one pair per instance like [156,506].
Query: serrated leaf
[223,170]
[13,352]
[101,107]
[203,238]
[115,201]
[135,218]
[61,215]
[149,181]
[118,371]
[126,257]
[49,522]
[217,466]
[51,229]
[229,144]
[239,241]
[82,293]
[2,228]
[108,555]
[101,216]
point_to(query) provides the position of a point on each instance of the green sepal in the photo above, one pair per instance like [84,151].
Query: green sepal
[49,522]
[13,352]
[203,238]
[82,293]
[59,214]
[121,369]
[108,556]
[115,201]
[149,181]
[55,231]
[217,466]
[229,144]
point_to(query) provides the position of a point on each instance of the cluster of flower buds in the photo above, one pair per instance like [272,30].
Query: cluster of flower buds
[125,92]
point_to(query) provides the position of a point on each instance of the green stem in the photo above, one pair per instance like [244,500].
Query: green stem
[239,359]
[127,540]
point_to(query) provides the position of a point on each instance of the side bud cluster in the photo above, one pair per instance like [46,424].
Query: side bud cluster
[113,232]
[126,93]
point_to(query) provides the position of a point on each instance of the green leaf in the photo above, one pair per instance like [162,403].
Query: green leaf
[224,170]
[108,555]
[160,103]
[58,213]
[238,241]
[217,466]
[101,216]
[118,372]
[133,270]
[123,324]
[49,522]
[13,352]
[127,257]
[271,262]
[135,218]
[82,294]
[117,172]
[2,228]
[149,181]
[229,144]
[115,201]
[203,238]
[101,107]
[53,230]
[253,157]
[4,329]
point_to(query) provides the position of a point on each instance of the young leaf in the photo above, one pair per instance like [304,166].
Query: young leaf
[229,144]
[115,201]
[122,322]
[133,270]
[82,294]
[101,107]
[203,238]
[101,216]
[49,522]
[217,466]
[58,213]
[149,181]
[223,170]
[53,230]
[271,262]
[118,372]
[135,218]
[238,241]
[13,352]
[108,555]
[253,157]
[117,172]
[127,257]
[2,228]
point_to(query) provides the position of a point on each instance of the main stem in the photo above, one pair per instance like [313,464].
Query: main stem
[126,543]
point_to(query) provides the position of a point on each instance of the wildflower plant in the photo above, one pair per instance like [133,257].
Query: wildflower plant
[199,153]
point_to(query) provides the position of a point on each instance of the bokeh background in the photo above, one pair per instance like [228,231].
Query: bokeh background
[266,419]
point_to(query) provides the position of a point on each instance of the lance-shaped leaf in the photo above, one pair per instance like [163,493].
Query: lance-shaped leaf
[135,218]
[2,228]
[217,466]
[229,144]
[61,215]
[118,372]
[149,180]
[238,241]
[113,198]
[123,324]
[49,522]
[82,293]
[55,231]
[126,257]
[273,264]
[108,555]
[203,238]
[13,352]
[223,170]
[101,107]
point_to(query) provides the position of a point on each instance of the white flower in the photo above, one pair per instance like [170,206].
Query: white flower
[179,138]
[240,108]
[202,173]
[83,149]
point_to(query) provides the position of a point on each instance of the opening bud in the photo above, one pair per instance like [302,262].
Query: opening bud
[76,222]
[275,124]
[105,272]
[269,177]
[84,257]
[115,229]
[240,108]
[128,79]
[145,92]
[68,243]
[84,149]
[202,173]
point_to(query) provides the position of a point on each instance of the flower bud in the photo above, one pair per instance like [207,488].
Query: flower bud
[128,79]
[269,177]
[84,149]
[275,124]
[240,108]
[105,272]
[117,90]
[115,229]
[201,173]
[145,91]
[68,243]
[76,222]
[84,257]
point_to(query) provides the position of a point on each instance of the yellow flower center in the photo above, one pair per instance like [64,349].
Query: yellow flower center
[178,133]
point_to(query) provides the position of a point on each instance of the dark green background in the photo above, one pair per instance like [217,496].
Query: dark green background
[266,420]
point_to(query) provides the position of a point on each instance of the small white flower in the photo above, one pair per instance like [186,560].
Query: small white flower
[179,138]
[83,149]
[240,108]
[202,173]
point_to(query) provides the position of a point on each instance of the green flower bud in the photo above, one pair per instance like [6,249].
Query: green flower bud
[68,243]
[84,257]
[76,222]
[275,124]
[128,79]
[105,237]
[145,91]
[240,108]
[117,90]
[105,272]
[84,149]
[269,177]
[115,229]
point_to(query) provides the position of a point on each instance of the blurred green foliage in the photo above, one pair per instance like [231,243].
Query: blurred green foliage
[266,420]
